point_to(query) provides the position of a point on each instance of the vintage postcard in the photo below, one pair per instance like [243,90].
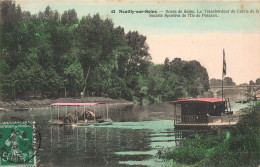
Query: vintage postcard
[129,83]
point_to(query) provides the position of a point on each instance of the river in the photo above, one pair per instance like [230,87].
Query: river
[134,138]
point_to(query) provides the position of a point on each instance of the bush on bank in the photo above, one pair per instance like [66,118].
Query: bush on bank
[238,147]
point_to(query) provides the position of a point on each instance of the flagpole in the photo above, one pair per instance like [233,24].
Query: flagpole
[223,73]
[222,86]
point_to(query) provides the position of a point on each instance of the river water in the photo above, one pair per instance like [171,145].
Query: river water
[133,139]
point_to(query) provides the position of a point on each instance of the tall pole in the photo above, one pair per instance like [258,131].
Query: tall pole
[223,73]
[222,87]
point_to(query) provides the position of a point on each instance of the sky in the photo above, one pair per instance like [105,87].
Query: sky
[189,38]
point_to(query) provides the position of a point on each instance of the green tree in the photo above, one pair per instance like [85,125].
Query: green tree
[74,79]
[228,81]
[62,56]
[69,17]
[215,82]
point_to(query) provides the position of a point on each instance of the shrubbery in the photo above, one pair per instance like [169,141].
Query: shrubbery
[239,147]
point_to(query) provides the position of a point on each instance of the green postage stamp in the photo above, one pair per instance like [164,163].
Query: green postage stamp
[18,144]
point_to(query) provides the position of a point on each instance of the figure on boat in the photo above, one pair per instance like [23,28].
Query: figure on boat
[74,118]
[82,113]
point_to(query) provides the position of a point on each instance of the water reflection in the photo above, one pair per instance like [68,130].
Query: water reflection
[133,138]
[116,144]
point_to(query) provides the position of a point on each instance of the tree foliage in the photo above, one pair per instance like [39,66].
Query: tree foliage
[56,55]
[177,79]
[227,81]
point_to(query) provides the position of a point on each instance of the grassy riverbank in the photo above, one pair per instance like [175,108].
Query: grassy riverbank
[46,102]
[233,148]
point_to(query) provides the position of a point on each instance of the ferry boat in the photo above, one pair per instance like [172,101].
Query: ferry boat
[79,114]
[203,113]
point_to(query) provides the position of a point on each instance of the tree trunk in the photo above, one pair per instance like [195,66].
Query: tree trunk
[85,83]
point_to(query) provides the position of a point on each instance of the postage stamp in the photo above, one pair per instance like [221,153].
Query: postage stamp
[18,144]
